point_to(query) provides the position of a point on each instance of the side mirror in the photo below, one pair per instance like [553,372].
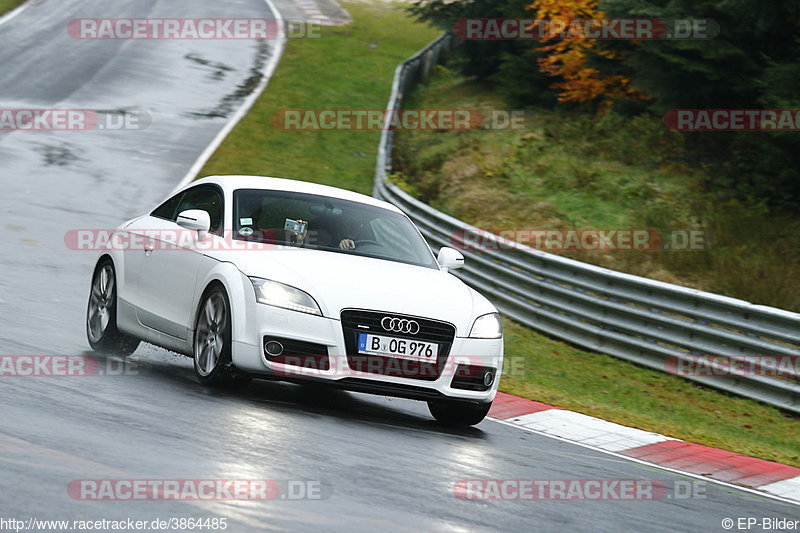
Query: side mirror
[195,219]
[450,258]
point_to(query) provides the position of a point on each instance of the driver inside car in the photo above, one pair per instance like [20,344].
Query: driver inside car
[336,231]
[350,233]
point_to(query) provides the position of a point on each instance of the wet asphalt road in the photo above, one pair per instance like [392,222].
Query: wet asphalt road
[383,464]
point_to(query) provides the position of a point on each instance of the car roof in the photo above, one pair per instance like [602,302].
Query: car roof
[232,183]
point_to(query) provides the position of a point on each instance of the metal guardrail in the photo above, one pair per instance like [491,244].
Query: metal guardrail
[651,323]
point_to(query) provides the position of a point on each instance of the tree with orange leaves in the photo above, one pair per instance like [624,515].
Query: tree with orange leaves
[568,57]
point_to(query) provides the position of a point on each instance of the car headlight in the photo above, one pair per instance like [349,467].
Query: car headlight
[487,327]
[273,293]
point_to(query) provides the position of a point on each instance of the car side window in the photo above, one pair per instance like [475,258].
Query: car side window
[168,210]
[206,198]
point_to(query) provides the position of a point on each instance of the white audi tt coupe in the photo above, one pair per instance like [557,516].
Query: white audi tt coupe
[281,279]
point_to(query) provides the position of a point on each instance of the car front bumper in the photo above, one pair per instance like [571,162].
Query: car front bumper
[263,321]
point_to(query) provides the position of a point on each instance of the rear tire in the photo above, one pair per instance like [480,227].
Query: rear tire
[101,314]
[458,414]
[213,363]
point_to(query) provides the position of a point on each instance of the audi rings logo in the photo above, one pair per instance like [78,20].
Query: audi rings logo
[400,325]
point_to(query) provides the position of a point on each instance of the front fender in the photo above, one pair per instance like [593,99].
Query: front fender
[240,297]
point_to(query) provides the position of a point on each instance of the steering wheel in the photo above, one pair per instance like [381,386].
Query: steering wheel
[367,241]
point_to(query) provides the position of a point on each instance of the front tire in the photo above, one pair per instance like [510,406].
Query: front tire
[101,314]
[458,414]
[213,363]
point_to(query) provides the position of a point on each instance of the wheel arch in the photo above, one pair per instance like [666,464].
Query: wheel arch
[231,280]
[105,256]
[101,260]
[117,259]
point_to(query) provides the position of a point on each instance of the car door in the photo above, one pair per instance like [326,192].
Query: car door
[136,235]
[172,262]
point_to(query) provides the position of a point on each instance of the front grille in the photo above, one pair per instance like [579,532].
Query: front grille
[356,321]
[299,353]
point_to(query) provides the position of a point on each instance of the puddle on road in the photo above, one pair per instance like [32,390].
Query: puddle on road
[231,101]
[58,156]
[218,70]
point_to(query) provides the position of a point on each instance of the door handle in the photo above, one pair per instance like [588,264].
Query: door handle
[149,247]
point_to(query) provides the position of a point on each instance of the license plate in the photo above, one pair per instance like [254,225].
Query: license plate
[413,350]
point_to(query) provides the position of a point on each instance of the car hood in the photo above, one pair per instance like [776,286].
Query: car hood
[340,281]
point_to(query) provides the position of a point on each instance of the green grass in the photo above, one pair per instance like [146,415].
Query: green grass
[599,385]
[343,71]
[8,5]
[350,67]
[571,170]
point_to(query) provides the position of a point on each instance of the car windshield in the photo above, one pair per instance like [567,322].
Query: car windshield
[330,224]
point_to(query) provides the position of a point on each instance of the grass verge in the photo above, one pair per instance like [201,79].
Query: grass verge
[572,170]
[8,5]
[352,67]
[615,390]
[349,67]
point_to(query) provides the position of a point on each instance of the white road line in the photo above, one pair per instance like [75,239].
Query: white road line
[588,430]
[269,70]
[788,488]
